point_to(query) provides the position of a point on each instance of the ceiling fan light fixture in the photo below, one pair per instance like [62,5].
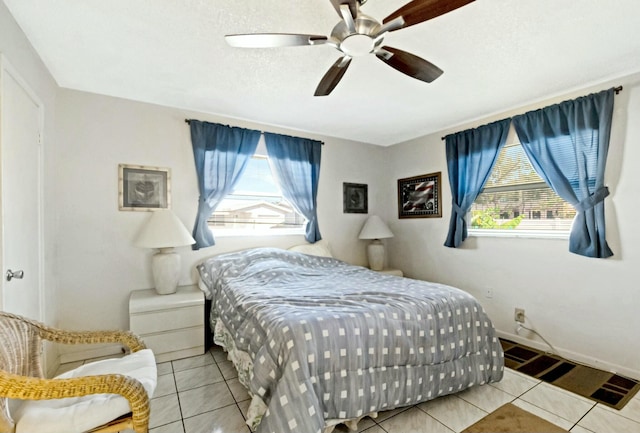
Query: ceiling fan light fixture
[357,45]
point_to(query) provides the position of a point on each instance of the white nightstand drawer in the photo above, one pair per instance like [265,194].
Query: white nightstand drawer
[158,321]
[174,341]
[171,325]
[144,301]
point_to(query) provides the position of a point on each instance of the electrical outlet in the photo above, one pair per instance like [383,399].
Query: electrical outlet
[519,315]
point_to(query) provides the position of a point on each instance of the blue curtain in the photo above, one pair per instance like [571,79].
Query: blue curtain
[295,163]
[221,154]
[471,155]
[567,145]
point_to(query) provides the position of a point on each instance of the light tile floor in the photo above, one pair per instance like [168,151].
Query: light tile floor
[202,394]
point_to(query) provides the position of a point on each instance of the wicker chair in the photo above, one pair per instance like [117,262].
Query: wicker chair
[21,375]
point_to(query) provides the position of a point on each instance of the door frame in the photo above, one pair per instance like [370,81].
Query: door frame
[7,69]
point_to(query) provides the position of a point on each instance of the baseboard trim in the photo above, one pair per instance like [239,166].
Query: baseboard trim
[573,356]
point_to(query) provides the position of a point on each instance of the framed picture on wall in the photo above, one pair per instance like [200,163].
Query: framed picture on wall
[354,198]
[419,196]
[142,188]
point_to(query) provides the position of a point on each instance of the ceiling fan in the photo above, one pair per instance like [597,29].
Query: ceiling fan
[358,34]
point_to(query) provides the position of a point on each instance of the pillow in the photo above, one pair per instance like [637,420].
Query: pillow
[320,248]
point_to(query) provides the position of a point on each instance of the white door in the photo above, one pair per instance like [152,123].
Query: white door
[21,118]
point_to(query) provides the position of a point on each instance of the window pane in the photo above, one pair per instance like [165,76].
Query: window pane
[512,168]
[525,209]
[256,205]
[516,198]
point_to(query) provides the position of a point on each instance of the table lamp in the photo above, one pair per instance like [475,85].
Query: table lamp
[164,231]
[375,229]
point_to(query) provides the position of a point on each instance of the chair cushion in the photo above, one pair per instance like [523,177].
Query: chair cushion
[79,414]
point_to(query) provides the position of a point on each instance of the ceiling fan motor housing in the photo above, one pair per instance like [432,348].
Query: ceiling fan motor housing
[361,42]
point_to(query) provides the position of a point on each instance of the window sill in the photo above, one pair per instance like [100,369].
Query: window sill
[531,234]
[220,233]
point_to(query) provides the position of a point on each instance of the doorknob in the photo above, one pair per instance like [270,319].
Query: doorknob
[14,274]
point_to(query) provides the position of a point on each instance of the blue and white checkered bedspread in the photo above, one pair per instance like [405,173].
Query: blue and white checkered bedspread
[329,340]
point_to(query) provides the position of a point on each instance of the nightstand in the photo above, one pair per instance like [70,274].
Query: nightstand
[396,272]
[170,325]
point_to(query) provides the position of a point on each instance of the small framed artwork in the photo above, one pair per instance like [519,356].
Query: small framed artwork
[419,196]
[354,198]
[142,188]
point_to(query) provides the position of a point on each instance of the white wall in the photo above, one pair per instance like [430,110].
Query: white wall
[587,308]
[17,49]
[97,265]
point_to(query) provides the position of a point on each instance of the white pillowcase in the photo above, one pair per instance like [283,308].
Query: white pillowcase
[79,414]
[320,248]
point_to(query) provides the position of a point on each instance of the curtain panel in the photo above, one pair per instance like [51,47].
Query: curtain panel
[295,163]
[221,154]
[471,155]
[567,145]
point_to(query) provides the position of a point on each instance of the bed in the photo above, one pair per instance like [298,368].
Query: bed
[318,342]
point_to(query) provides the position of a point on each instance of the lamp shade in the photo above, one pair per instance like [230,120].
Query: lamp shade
[375,228]
[163,230]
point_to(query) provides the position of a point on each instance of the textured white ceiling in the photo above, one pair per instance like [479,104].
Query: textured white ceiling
[496,54]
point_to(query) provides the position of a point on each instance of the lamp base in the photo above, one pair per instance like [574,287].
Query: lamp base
[165,266]
[375,254]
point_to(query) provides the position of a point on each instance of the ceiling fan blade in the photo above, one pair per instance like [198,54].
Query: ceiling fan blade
[418,11]
[333,76]
[273,40]
[353,6]
[409,64]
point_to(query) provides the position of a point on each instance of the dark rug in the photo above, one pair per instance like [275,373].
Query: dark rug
[604,387]
[512,419]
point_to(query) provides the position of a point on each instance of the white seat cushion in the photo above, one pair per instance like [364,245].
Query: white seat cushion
[79,414]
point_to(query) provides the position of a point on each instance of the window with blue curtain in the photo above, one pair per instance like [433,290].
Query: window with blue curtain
[517,202]
[567,146]
[222,153]
[256,206]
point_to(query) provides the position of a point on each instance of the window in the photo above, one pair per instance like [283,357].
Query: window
[256,206]
[516,201]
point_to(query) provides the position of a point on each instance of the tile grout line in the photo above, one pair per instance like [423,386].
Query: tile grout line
[175,382]
[583,416]
[182,417]
[555,414]
[617,411]
[226,382]
[237,403]
[458,397]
